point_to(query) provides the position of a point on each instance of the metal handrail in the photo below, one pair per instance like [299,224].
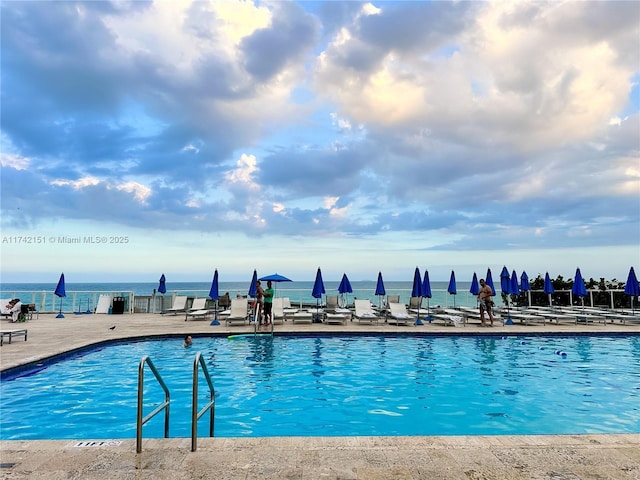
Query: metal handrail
[163,406]
[195,415]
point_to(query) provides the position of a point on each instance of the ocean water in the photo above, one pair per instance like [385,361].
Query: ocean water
[82,297]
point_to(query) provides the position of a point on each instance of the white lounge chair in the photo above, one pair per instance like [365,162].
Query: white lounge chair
[364,313]
[179,305]
[392,299]
[398,314]
[277,311]
[331,303]
[104,302]
[239,312]
[198,309]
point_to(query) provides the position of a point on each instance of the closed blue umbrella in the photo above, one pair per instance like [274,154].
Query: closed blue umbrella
[548,287]
[489,281]
[214,294]
[162,288]
[380,291]
[253,286]
[475,286]
[426,285]
[452,289]
[632,288]
[344,288]
[317,292]
[60,292]
[525,286]
[253,291]
[578,287]
[345,285]
[426,292]
[318,286]
[515,289]
[416,291]
[505,281]
[505,286]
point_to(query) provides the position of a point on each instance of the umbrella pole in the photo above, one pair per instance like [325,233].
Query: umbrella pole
[60,315]
[509,321]
[215,314]
[418,321]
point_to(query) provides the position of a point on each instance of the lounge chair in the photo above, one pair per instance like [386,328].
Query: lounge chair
[277,311]
[392,299]
[239,312]
[104,302]
[364,313]
[332,303]
[415,303]
[398,314]
[198,309]
[179,305]
[12,333]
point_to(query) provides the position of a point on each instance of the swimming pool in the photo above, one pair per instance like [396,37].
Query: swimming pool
[340,386]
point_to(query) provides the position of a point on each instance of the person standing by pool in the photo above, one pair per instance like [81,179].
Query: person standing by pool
[268,303]
[484,300]
[259,311]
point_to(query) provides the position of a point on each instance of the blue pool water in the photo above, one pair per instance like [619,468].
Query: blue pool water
[330,386]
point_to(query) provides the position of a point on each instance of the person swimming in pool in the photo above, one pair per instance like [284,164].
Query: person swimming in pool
[188,341]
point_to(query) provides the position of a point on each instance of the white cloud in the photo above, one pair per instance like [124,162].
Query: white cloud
[244,172]
[77,184]
[13,160]
[140,192]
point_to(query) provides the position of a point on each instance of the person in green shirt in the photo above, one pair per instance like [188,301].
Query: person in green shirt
[268,303]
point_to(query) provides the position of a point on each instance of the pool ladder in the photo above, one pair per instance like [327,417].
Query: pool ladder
[195,414]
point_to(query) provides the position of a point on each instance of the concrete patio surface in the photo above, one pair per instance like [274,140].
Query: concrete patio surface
[557,457]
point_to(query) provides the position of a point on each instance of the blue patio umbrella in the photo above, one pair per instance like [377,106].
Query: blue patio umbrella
[344,288]
[317,292]
[60,292]
[525,286]
[452,289]
[380,291]
[548,287]
[253,286]
[214,294]
[632,288]
[505,286]
[416,291]
[426,291]
[515,288]
[162,288]
[253,290]
[475,286]
[578,287]
[275,278]
[489,281]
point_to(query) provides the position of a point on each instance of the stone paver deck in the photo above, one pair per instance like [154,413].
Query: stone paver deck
[557,457]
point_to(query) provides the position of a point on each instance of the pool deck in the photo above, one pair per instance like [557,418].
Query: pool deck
[558,457]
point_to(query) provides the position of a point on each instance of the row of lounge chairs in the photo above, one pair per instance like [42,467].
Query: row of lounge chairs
[240,312]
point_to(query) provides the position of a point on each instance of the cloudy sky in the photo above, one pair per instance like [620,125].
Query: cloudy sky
[182,136]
